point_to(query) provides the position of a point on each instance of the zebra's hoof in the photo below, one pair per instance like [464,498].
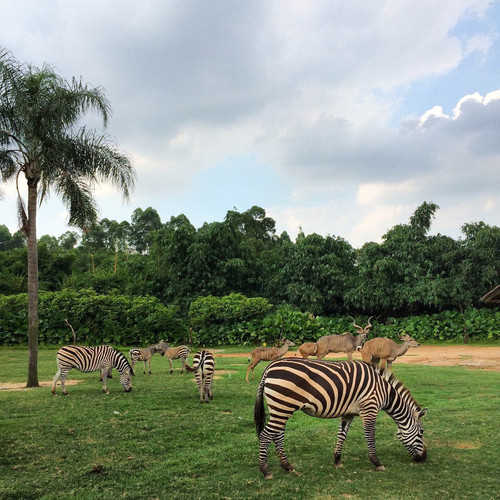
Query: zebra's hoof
[269,476]
[380,468]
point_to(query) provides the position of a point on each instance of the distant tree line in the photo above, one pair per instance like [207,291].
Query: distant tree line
[408,273]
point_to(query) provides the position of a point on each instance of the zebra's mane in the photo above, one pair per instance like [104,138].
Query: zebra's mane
[122,358]
[399,387]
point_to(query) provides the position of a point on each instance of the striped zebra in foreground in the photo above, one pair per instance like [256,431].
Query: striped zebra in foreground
[92,359]
[181,352]
[203,368]
[145,354]
[328,389]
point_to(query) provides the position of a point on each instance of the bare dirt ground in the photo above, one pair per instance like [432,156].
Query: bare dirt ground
[471,357]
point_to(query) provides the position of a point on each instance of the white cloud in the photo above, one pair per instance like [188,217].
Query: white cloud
[308,88]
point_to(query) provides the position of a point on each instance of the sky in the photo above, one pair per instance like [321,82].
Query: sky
[338,118]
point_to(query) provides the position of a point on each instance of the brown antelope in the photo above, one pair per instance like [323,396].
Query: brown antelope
[307,349]
[382,350]
[267,354]
[343,343]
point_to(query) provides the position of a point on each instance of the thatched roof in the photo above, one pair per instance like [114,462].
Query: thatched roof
[492,297]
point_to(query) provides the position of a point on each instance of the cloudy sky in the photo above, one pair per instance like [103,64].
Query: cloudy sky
[336,117]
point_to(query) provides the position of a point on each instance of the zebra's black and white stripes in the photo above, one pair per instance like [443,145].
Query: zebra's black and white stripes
[203,368]
[334,389]
[180,352]
[92,359]
[143,354]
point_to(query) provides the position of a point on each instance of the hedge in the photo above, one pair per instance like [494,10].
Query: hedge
[96,319]
[231,320]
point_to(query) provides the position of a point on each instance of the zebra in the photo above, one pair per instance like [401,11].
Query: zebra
[328,389]
[92,359]
[203,368]
[145,354]
[181,352]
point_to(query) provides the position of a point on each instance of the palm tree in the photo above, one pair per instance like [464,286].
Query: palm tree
[40,139]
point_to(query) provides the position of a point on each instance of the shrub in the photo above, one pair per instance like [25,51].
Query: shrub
[97,319]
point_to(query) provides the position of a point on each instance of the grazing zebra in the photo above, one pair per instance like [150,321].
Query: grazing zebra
[92,359]
[328,389]
[181,352]
[145,354]
[203,368]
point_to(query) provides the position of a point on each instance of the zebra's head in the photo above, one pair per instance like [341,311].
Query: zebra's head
[162,347]
[125,379]
[411,435]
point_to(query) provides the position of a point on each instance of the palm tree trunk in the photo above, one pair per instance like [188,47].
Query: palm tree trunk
[32,287]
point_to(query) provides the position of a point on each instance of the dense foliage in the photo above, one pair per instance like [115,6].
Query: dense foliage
[236,281]
[409,272]
[96,319]
[234,319]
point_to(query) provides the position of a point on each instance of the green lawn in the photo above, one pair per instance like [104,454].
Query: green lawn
[159,442]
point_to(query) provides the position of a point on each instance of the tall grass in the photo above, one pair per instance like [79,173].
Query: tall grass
[159,442]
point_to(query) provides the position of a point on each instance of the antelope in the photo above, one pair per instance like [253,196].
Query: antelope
[382,350]
[266,354]
[307,349]
[343,343]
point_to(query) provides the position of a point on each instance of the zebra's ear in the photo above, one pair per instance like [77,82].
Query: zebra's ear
[422,413]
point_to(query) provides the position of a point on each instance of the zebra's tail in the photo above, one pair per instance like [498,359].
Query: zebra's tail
[196,365]
[259,414]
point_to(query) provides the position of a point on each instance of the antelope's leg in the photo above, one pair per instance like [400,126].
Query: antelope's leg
[251,366]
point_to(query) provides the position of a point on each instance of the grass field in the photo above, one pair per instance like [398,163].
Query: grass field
[159,442]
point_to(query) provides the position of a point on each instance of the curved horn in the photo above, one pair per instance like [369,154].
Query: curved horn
[369,325]
[355,325]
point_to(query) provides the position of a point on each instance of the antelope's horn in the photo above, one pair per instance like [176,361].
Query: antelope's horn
[354,323]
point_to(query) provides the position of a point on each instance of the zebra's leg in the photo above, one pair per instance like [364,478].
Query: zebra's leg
[183,360]
[104,378]
[210,389]
[64,374]
[144,371]
[279,441]
[171,365]
[199,381]
[345,423]
[207,390]
[54,381]
[368,418]
[265,439]
[149,364]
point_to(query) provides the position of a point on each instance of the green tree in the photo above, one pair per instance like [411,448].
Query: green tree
[40,139]
[143,224]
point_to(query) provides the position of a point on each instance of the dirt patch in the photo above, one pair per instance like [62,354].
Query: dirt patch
[473,357]
[19,386]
